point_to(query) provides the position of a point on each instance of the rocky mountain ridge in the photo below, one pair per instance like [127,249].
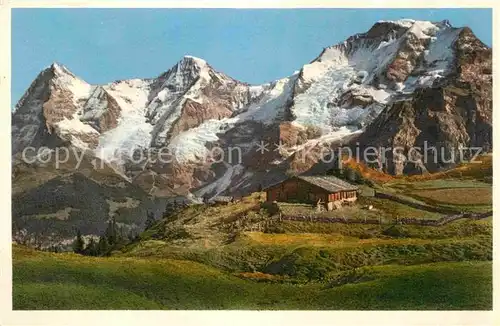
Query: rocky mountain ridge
[400,84]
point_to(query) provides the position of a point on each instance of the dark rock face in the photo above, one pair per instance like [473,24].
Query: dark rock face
[350,99]
[50,100]
[217,97]
[457,113]
[193,114]
[27,123]
[102,111]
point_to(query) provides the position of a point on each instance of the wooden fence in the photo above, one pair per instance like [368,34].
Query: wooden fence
[406,220]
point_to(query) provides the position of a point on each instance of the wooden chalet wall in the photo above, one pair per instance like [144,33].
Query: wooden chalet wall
[343,195]
[295,189]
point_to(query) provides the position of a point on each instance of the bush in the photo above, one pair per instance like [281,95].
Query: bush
[178,233]
[269,208]
[366,235]
[395,231]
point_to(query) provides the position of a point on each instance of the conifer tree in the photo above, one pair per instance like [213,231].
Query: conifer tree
[102,246]
[150,220]
[358,176]
[91,248]
[78,244]
[111,234]
[348,174]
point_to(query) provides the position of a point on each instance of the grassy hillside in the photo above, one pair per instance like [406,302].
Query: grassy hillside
[480,169]
[241,238]
[456,194]
[243,256]
[304,266]
[68,281]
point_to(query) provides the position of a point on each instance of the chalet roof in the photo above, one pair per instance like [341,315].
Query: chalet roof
[328,182]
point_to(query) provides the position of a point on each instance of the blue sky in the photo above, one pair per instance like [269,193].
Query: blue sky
[255,46]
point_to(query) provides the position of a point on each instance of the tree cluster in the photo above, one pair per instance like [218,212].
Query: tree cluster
[114,238]
[349,174]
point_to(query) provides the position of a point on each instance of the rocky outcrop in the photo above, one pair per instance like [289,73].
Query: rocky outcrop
[194,114]
[45,116]
[443,119]
[354,99]
[28,122]
[58,107]
[101,110]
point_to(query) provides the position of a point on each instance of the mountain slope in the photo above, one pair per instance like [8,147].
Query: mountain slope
[49,203]
[454,113]
[399,84]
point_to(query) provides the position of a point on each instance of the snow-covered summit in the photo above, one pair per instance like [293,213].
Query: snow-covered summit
[346,86]
[59,68]
[197,60]
[369,69]
[189,62]
[405,22]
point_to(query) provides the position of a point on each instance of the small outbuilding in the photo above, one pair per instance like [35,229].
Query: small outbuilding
[329,191]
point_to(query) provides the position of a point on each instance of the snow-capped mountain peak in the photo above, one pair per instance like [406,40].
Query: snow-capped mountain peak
[192,59]
[192,107]
[193,64]
[60,69]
